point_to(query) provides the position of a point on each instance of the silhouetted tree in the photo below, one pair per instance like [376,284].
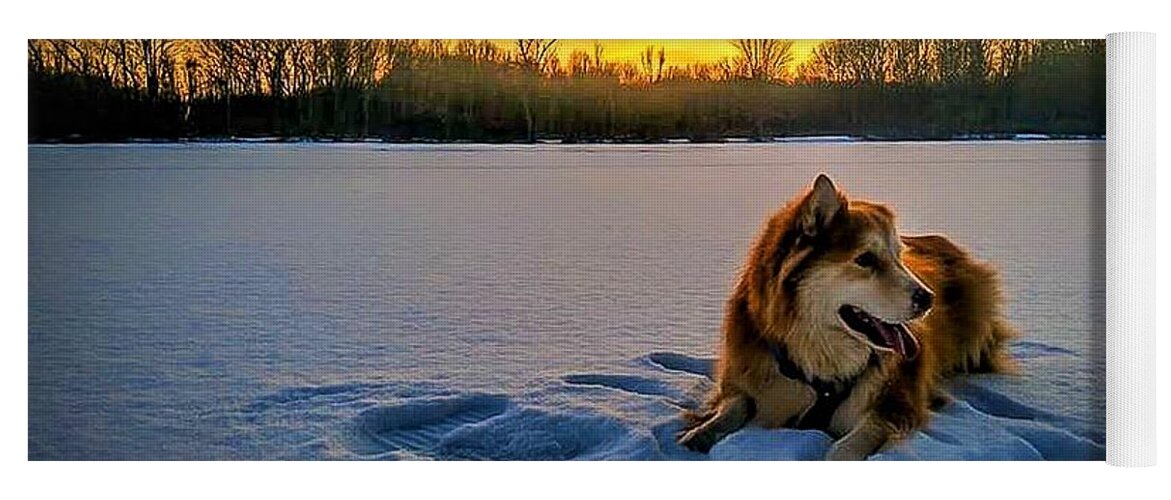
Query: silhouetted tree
[653,63]
[534,53]
[764,60]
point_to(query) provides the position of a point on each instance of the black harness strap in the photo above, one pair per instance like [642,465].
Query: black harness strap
[830,394]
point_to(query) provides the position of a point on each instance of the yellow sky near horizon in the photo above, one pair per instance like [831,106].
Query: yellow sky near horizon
[678,52]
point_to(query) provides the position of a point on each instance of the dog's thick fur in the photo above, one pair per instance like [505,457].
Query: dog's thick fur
[804,266]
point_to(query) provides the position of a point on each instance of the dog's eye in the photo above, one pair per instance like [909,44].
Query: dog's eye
[867,260]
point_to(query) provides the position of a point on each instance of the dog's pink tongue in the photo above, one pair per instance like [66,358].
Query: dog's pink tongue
[905,343]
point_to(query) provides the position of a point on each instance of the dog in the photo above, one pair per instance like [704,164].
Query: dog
[838,323]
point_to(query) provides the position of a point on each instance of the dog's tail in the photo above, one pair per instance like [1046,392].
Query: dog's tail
[995,356]
[970,300]
[985,334]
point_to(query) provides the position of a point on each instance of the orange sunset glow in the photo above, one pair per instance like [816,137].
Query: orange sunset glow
[678,52]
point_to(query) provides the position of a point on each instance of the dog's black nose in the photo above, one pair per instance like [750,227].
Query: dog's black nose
[922,299]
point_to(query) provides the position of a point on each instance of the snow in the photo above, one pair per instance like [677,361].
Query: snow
[416,302]
[817,138]
[1030,137]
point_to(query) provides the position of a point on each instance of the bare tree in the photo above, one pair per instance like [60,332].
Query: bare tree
[908,61]
[36,57]
[477,51]
[125,62]
[1007,57]
[191,70]
[366,61]
[277,65]
[533,53]
[960,61]
[869,58]
[848,61]
[302,69]
[599,65]
[579,63]
[433,49]
[763,59]
[156,57]
[653,63]
[252,64]
[219,60]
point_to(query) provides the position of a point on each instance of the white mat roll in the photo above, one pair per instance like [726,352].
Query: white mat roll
[1130,249]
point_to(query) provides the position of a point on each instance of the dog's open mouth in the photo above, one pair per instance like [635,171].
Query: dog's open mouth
[894,336]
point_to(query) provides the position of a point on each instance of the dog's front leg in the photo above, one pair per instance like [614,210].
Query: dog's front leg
[781,400]
[861,431]
[864,439]
[728,414]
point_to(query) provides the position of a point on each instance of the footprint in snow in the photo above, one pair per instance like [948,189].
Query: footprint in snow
[490,427]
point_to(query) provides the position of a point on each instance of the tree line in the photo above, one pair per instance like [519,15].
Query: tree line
[479,90]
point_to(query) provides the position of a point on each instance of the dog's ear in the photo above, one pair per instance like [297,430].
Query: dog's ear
[815,214]
[819,208]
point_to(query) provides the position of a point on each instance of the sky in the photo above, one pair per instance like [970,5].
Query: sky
[677,52]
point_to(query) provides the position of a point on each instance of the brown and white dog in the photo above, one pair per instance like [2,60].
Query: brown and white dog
[839,323]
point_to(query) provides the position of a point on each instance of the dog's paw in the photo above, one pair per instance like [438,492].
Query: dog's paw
[841,452]
[698,439]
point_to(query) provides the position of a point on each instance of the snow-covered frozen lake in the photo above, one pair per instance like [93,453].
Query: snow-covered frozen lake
[311,301]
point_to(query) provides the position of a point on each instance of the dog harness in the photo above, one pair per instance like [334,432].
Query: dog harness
[830,394]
